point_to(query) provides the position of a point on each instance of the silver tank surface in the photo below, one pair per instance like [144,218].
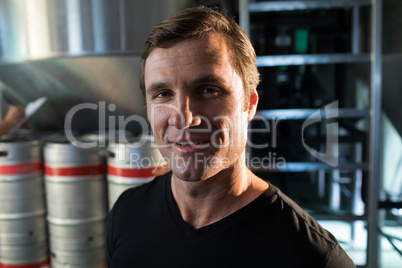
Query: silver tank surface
[23,232]
[131,164]
[77,204]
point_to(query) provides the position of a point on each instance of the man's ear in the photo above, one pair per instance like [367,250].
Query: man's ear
[252,105]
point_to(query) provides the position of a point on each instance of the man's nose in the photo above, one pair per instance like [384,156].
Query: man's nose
[185,115]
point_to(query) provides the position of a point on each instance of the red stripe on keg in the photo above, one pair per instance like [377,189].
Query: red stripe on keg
[133,173]
[43,264]
[75,171]
[22,168]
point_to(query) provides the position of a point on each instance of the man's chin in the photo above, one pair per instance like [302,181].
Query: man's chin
[188,175]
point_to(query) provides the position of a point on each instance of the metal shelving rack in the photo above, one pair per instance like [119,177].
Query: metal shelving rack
[373,166]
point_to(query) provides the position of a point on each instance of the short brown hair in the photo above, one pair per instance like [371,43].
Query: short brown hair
[196,23]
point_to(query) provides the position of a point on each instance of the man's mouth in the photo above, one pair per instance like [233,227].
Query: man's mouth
[191,143]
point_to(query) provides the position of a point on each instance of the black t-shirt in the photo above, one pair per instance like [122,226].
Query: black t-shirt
[145,229]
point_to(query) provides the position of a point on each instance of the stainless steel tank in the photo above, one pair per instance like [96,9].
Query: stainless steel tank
[130,164]
[75,52]
[21,181]
[23,232]
[77,204]
[75,186]
[52,28]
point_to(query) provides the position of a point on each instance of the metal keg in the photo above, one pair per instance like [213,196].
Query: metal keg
[23,232]
[131,164]
[75,185]
[21,182]
[77,204]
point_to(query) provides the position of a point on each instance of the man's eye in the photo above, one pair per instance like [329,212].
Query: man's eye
[163,94]
[210,91]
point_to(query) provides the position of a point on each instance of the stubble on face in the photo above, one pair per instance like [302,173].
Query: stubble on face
[178,75]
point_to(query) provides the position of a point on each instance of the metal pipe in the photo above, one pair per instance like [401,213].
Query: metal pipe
[273,6]
[373,245]
[122,25]
[356,29]
[74,26]
[99,26]
[300,59]
[244,16]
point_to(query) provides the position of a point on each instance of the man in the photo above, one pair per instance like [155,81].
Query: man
[14,115]
[199,80]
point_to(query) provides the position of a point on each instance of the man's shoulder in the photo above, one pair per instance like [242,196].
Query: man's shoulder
[294,217]
[297,233]
[146,193]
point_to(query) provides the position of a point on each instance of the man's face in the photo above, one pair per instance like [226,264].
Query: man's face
[195,104]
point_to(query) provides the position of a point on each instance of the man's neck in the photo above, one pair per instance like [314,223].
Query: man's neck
[208,201]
